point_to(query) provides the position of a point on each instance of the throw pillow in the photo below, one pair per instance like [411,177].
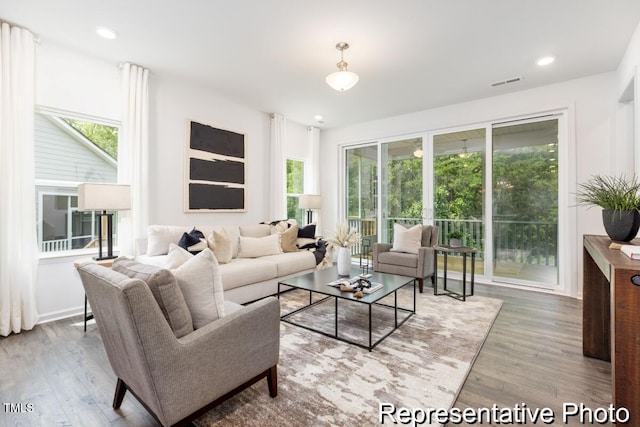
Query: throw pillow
[177,256]
[254,247]
[201,284]
[193,241]
[307,232]
[407,240]
[165,290]
[289,238]
[220,243]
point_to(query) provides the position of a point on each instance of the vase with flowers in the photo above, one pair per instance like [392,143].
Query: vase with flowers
[342,240]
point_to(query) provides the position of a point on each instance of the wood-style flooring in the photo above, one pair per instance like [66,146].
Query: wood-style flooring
[533,355]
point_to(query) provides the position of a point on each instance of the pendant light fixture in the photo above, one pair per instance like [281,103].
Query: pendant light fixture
[342,79]
[464,153]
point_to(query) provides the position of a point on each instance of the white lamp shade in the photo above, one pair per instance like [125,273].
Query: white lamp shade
[104,197]
[342,80]
[309,201]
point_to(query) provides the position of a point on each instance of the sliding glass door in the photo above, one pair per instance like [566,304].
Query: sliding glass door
[384,187]
[505,204]
[496,184]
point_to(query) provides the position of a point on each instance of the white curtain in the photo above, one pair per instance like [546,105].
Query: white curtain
[18,239]
[278,172]
[133,158]
[313,177]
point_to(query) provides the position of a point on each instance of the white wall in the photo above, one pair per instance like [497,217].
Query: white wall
[73,82]
[628,116]
[69,81]
[591,106]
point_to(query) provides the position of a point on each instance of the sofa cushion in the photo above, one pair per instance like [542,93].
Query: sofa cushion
[220,243]
[245,271]
[201,283]
[159,237]
[254,247]
[406,240]
[193,241]
[165,290]
[291,262]
[255,230]
[398,258]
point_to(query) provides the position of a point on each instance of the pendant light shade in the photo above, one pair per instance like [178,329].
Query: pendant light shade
[342,79]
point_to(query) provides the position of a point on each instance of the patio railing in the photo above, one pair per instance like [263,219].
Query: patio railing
[525,242]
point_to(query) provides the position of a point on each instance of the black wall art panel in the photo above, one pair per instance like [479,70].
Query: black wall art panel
[215,169]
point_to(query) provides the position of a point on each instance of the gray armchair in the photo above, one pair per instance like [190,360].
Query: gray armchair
[419,266]
[178,379]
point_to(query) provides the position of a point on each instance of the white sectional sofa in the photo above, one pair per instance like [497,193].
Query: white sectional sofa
[244,279]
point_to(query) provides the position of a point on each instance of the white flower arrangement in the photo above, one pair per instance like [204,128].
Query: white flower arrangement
[344,237]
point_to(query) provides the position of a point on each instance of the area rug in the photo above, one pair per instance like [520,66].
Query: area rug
[326,382]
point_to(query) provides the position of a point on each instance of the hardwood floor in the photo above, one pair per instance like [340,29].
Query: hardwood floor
[533,355]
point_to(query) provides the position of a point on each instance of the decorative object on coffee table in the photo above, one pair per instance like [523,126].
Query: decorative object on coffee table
[342,240]
[619,197]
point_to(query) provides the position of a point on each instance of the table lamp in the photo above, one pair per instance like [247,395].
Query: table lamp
[103,198]
[309,202]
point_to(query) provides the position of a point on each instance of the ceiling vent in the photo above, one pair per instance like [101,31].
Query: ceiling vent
[507,81]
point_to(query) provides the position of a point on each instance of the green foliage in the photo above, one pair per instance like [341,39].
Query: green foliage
[105,137]
[456,235]
[610,192]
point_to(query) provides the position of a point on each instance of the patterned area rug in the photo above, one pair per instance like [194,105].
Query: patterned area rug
[326,382]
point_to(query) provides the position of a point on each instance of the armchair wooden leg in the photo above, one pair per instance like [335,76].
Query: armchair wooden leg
[272,381]
[121,389]
[420,284]
[433,279]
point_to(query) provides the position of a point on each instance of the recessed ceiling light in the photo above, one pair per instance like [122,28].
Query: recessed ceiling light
[106,33]
[318,118]
[545,61]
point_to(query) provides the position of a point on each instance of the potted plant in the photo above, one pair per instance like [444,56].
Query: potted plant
[455,238]
[619,197]
[342,240]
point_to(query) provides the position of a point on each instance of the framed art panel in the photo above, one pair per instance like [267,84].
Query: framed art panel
[215,170]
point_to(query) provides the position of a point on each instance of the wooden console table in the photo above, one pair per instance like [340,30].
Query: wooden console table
[611,318]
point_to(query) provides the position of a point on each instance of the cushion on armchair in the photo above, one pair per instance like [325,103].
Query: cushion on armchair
[407,240]
[165,290]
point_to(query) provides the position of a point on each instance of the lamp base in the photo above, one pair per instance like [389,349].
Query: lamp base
[102,258]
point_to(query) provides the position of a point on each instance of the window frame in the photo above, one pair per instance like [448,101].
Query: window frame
[44,187]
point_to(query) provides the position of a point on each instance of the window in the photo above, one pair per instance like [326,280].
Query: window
[295,187]
[69,151]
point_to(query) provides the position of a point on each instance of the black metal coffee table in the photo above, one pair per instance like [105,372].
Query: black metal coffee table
[317,282]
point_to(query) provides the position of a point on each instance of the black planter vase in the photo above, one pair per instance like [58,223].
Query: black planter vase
[621,225]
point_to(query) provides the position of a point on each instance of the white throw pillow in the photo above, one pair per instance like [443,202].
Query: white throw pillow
[407,240]
[201,284]
[254,247]
[177,256]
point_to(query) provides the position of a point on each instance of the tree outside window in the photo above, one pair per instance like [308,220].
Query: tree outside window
[295,187]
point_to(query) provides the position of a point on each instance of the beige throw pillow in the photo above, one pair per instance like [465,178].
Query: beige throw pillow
[254,247]
[220,243]
[407,240]
[289,238]
[201,284]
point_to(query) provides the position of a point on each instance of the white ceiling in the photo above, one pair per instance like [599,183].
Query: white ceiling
[411,55]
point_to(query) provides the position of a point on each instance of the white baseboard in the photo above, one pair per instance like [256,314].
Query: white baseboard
[62,314]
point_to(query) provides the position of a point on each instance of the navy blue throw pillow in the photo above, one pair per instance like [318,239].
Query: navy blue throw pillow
[189,239]
[307,232]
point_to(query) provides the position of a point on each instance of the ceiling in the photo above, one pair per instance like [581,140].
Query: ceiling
[411,55]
